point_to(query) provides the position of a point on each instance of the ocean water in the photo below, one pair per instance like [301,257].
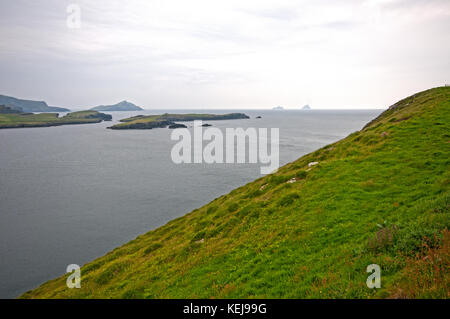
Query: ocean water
[70,194]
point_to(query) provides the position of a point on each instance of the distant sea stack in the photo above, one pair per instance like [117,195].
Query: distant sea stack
[121,106]
[29,105]
[306,107]
[278,108]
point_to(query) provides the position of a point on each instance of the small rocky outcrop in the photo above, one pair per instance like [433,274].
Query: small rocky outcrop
[312,164]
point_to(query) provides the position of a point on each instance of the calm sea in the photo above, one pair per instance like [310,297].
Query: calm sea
[70,194]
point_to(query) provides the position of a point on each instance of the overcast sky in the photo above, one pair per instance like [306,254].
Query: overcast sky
[224,54]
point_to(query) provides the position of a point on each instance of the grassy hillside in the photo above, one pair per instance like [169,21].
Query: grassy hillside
[380,196]
[50,119]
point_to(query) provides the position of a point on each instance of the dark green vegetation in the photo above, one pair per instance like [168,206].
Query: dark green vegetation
[381,195]
[121,106]
[29,105]
[164,120]
[50,119]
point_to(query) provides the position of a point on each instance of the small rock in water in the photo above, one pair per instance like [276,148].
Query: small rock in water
[172,126]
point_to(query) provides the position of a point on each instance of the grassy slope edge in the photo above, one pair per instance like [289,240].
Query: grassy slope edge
[380,195]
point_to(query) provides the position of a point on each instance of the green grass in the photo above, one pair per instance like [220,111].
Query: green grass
[381,195]
[48,119]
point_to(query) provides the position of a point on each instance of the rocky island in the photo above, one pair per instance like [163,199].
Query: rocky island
[164,120]
[10,118]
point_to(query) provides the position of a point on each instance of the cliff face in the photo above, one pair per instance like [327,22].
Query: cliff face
[29,105]
[379,196]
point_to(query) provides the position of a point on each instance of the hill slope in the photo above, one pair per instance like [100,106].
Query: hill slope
[380,196]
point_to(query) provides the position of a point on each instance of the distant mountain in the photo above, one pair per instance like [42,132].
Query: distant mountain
[121,106]
[29,105]
[278,108]
[306,107]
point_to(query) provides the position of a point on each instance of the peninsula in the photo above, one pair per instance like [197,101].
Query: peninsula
[10,118]
[166,119]
[29,105]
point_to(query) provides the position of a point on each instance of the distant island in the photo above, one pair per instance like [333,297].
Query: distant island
[29,105]
[306,107]
[11,118]
[279,108]
[158,121]
[121,106]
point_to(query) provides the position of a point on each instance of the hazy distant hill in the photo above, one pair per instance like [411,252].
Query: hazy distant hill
[306,107]
[121,106]
[29,105]
[8,110]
